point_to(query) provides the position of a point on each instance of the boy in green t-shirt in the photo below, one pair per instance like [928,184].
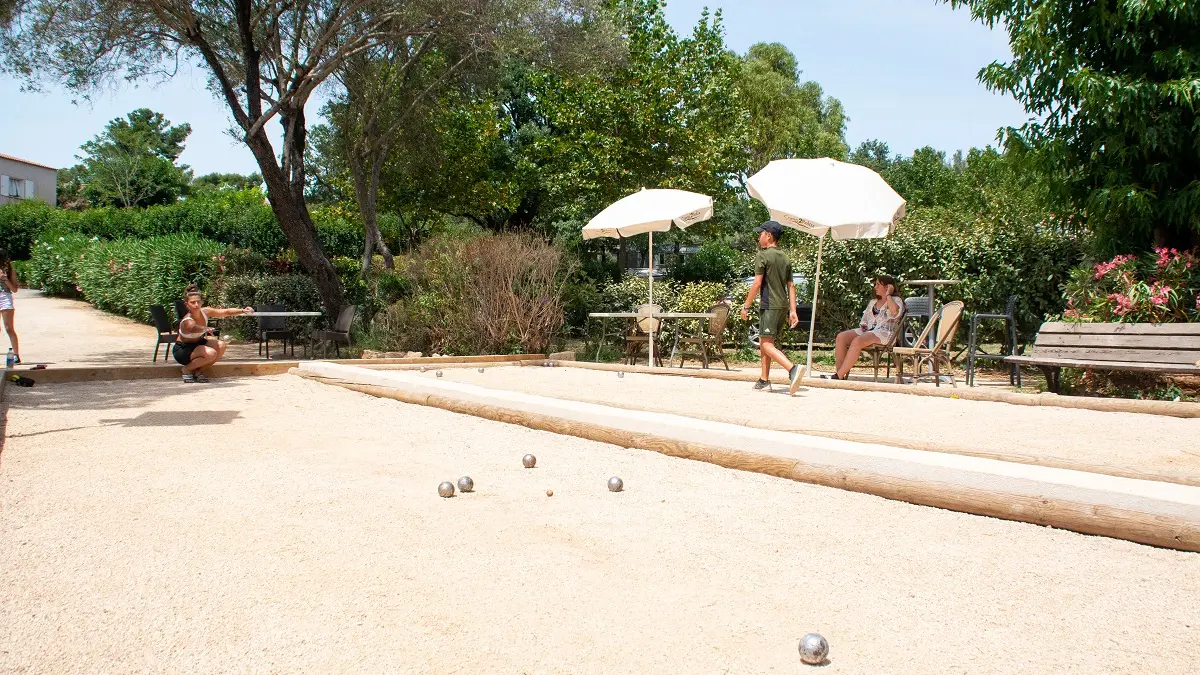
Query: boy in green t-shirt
[773,283]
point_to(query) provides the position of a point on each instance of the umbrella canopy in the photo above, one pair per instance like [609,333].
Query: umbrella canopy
[824,195]
[650,211]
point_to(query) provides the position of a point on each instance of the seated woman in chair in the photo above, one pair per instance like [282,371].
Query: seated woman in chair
[879,323]
[196,346]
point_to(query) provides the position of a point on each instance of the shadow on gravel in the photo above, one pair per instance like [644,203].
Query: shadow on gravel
[171,418]
[107,395]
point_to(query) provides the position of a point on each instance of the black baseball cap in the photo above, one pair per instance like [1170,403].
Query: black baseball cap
[770,226]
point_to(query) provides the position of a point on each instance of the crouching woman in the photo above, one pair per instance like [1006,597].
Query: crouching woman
[197,346]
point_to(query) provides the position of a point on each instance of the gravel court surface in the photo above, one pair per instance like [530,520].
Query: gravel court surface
[1042,435]
[280,525]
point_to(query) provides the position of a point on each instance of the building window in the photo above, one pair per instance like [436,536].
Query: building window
[16,188]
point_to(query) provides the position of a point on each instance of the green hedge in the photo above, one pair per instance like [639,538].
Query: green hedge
[128,275]
[238,219]
[53,261]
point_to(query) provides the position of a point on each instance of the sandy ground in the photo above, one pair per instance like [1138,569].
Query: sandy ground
[71,333]
[280,525]
[1123,443]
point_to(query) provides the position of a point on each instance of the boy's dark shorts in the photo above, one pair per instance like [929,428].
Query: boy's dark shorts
[771,322]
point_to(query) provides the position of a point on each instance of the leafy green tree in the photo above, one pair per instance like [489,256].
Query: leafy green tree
[873,154]
[1111,89]
[265,59]
[225,181]
[132,163]
[670,116]
[788,118]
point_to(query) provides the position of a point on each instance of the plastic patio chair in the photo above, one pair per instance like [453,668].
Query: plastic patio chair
[946,320]
[274,328]
[643,326]
[339,335]
[975,352]
[166,333]
[711,340]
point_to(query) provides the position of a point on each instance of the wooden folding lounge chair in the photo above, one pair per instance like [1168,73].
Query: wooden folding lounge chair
[946,320]
[711,340]
[639,335]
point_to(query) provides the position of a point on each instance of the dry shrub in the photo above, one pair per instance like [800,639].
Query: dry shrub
[486,295]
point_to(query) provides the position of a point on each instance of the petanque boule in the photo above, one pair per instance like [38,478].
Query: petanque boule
[481,370]
[439,373]
[813,649]
[615,484]
[549,493]
[446,489]
[620,374]
[465,484]
[529,461]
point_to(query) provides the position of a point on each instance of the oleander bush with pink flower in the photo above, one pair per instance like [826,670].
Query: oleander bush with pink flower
[1159,287]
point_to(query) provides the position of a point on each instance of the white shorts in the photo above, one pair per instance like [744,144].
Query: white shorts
[883,335]
[6,301]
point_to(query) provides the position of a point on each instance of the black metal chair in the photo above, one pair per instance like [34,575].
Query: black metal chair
[166,334]
[339,335]
[1009,348]
[274,328]
[180,311]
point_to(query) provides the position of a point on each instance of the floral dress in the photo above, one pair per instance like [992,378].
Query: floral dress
[879,321]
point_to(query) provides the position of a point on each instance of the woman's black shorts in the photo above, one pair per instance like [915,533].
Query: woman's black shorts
[182,351]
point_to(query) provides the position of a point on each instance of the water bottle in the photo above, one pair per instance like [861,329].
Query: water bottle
[10,360]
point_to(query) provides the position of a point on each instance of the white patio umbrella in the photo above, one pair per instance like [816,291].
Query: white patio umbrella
[824,195]
[647,212]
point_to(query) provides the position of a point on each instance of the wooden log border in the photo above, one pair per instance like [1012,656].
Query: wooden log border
[1011,495]
[1165,408]
[251,368]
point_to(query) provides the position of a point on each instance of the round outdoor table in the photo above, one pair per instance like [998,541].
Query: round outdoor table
[654,315]
[283,314]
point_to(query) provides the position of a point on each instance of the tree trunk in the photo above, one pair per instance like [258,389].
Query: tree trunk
[366,191]
[291,211]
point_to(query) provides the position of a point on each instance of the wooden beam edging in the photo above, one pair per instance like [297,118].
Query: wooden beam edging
[247,368]
[1147,512]
[1165,408]
[1106,469]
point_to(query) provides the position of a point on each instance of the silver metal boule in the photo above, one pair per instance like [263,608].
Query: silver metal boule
[439,373]
[481,370]
[615,484]
[422,369]
[813,649]
[620,374]
[446,489]
[465,484]
[529,461]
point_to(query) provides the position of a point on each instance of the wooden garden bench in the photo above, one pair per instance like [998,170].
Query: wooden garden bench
[1137,347]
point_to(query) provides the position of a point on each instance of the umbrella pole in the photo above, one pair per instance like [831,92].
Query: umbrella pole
[651,279]
[812,321]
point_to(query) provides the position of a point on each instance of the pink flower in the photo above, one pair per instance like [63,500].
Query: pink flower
[1123,303]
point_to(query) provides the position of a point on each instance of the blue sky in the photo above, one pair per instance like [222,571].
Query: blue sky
[904,69]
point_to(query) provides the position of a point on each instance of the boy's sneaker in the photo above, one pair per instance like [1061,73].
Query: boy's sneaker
[189,378]
[794,373]
[762,384]
[201,379]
